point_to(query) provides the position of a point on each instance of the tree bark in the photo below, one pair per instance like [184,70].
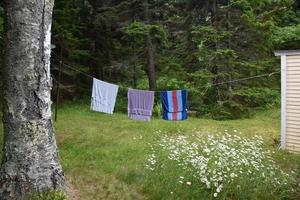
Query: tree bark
[228,64]
[150,49]
[215,68]
[134,76]
[30,158]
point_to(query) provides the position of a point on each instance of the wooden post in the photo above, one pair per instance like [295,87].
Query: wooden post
[58,82]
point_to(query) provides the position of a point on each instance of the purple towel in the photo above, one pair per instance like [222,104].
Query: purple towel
[140,104]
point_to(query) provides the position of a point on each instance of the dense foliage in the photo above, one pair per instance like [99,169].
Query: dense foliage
[173,44]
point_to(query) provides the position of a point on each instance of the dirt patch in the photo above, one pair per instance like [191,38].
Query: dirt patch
[72,192]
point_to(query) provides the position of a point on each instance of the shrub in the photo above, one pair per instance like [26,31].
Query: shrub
[257,97]
[157,110]
[241,105]
[229,110]
[121,101]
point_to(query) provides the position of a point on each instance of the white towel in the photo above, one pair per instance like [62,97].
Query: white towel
[103,96]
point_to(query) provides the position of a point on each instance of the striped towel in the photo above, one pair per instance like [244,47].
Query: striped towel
[174,104]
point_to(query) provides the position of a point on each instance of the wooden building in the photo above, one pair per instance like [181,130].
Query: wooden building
[290,99]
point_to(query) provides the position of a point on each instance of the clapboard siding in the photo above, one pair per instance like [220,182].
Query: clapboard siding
[291,85]
[292,126]
[290,107]
[293,151]
[295,115]
[292,80]
[293,57]
[293,143]
[292,75]
[293,120]
[292,111]
[292,94]
[293,99]
[293,138]
[293,65]
[294,148]
[292,134]
[293,90]
[293,69]
[292,61]
[293,131]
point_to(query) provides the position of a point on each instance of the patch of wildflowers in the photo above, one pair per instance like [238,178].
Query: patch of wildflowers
[217,161]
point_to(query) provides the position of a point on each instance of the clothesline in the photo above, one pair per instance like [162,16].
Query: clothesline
[205,86]
[174,103]
[243,79]
[70,67]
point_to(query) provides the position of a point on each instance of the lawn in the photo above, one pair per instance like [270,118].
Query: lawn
[104,156]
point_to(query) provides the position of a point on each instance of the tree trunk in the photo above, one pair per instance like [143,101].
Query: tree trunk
[96,69]
[134,76]
[215,68]
[228,67]
[30,162]
[150,49]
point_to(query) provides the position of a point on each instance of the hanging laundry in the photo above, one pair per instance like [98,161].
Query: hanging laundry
[103,96]
[140,104]
[174,104]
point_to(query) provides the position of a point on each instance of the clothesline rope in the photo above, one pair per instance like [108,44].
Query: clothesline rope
[243,79]
[70,67]
[205,86]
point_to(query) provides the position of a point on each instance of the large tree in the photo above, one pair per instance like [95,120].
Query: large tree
[150,64]
[30,161]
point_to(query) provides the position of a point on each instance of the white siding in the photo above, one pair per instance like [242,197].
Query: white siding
[283,100]
[292,103]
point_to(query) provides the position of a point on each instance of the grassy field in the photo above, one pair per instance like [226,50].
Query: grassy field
[104,156]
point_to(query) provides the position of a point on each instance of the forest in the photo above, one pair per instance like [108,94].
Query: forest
[202,46]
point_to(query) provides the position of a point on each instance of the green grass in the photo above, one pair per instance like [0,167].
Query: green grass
[48,195]
[103,156]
